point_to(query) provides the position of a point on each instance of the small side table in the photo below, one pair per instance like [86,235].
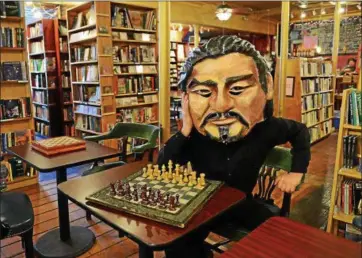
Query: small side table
[66,241]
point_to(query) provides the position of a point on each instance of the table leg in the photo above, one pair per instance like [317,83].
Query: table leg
[66,241]
[145,251]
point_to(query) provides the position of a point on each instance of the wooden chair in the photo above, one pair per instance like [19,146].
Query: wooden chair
[279,159]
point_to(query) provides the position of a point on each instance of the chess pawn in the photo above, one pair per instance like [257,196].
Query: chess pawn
[151,174]
[166,178]
[180,180]
[194,179]
[198,186]
[186,180]
[177,170]
[174,178]
[144,173]
[159,177]
[190,184]
[155,170]
[202,177]
[163,169]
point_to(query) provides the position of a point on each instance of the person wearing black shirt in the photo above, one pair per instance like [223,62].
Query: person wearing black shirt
[228,129]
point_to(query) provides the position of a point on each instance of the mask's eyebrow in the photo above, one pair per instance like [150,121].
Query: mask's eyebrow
[234,79]
[194,82]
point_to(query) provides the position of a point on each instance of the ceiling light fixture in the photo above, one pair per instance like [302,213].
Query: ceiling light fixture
[359,6]
[323,11]
[291,15]
[303,15]
[314,13]
[224,12]
[303,4]
[341,10]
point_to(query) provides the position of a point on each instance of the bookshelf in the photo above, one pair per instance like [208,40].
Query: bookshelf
[63,75]
[348,167]
[177,60]
[91,67]
[44,78]
[16,119]
[310,94]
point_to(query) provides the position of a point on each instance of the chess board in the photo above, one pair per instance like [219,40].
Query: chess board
[190,199]
[58,145]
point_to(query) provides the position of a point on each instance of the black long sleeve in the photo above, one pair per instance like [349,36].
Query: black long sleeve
[298,135]
[175,149]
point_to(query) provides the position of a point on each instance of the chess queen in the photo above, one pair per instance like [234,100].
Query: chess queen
[229,128]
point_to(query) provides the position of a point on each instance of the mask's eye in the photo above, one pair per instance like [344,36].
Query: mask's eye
[236,90]
[202,92]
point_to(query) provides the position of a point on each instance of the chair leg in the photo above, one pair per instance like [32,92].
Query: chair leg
[150,155]
[88,215]
[27,238]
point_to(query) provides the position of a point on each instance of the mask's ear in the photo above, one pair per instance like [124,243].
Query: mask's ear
[269,79]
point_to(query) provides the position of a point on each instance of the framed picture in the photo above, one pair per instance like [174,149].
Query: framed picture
[289,87]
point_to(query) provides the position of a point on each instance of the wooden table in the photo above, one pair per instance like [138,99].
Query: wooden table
[150,235]
[281,237]
[65,241]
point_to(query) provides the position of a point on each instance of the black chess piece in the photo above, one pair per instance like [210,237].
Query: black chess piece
[113,189]
[171,206]
[177,204]
[167,197]
[162,204]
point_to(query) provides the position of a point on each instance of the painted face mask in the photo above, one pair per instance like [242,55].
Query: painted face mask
[226,96]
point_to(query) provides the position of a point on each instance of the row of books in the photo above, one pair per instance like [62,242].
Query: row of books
[316,85]
[36,30]
[43,97]
[350,197]
[41,112]
[82,35]
[138,115]
[136,54]
[13,71]
[84,53]
[88,123]
[128,101]
[140,69]
[67,96]
[11,37]
[63,45]
[69,130]
[134,36]
[87,110]
[316,101]
[350,143]
[64,65]
[40,81]
[87,73]
[315,68]
[316,116]
[68,113]
[86,93]
[15,108]
[65,81]
[14,139]
[42,128]
[127,18]
[41,65]
[10,8]
[320,130]
[135,84]
[354,109]
[84,18]
[36,47]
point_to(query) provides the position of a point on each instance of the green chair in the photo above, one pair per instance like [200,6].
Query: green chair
[123,131]
[279,159]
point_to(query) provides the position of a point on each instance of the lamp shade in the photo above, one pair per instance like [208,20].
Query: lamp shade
[223,12]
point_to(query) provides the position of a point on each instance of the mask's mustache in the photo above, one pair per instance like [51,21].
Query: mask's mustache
[229,114]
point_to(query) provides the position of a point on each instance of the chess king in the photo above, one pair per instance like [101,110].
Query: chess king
[229,128]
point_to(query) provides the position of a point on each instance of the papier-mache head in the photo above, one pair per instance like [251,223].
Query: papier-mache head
[229,86]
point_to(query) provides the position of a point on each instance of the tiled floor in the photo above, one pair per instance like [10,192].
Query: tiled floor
[309,205]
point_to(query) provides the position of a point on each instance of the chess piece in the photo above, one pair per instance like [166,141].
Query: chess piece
[151,174]
[155,170]
[159,177]
[174,178]
[166,178]
[149,168]
[199,186]
[167,197]
[171,206]
[177,204]
[162,205]
[170,167]
[190,184]
[180,180]
[186,176]
[144,172]
[163,171]
[170,177]
[177,171]
[113,189]
[194,179]
[202,177]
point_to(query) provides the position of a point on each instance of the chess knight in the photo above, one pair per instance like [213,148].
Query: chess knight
[228,127]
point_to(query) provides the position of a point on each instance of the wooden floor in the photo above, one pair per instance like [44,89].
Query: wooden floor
[108,244]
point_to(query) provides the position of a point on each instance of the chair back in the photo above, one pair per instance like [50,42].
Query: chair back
[278,159]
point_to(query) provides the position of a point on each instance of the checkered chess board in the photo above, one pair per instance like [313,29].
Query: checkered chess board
[191,199]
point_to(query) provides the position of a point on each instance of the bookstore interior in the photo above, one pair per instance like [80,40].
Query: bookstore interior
[113,112]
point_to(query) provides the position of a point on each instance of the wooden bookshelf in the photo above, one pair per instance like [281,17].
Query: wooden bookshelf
[341,173]
[15,131]
[43,74]
[63,75]
[91,68]
[310,98]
